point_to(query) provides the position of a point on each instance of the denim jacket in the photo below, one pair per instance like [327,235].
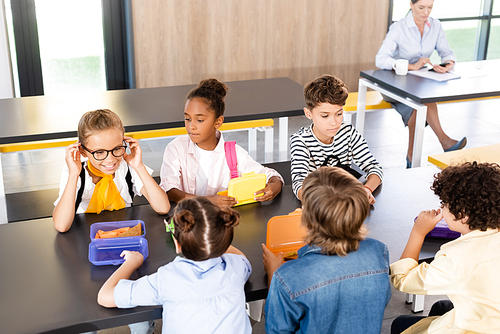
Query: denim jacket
[318,293]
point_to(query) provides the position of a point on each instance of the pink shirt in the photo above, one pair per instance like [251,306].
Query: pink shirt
[180,167]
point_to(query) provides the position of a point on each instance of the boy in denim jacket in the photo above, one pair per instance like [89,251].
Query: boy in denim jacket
[340,281]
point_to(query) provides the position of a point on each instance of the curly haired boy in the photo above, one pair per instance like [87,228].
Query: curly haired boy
[466,269]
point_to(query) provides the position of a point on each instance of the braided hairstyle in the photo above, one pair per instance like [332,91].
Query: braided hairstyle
[202,229]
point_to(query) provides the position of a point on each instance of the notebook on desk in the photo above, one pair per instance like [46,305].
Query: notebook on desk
[426,73]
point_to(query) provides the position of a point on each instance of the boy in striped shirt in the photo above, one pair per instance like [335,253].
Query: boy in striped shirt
[328,141]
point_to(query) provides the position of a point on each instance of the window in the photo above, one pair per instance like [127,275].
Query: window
[494,44]
[71,46]
[496,8]
[472,27]
[61,46]
[461,36]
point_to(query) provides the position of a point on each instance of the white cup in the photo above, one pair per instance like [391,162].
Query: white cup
[401,66]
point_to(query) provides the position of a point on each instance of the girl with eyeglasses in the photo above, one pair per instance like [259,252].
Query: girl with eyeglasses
[104,181]
[201,291]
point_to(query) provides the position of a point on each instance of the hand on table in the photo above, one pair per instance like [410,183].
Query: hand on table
[371,199]
[132,258]
[272,189]
[271,261]
[426,221]
[222,201]
[444,69]
[419,64]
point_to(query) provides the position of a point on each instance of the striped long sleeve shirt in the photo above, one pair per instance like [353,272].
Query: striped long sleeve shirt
[308,153]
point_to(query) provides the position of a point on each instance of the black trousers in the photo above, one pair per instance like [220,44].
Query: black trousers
[403,322]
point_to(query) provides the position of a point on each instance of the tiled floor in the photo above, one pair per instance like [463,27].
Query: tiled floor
[384,132]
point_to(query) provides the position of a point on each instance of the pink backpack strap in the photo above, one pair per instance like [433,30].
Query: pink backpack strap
[232,161]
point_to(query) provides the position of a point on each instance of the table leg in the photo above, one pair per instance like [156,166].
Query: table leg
[283,138]
[361,107]
[269,144]
[418,141]
[254,309]
[252,143]
[418,303]
[3,203]
[420,121]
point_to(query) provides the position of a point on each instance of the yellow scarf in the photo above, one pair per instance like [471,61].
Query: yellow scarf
[106,195]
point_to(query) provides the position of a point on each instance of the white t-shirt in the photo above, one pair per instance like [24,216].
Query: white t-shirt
[119,180]
[180,167]
[205,159]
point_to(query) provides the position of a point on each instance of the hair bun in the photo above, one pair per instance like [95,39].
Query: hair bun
[185,220]
[230,217]
[214,85]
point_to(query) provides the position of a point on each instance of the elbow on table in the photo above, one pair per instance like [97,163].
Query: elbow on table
[61,226]
[162,212]
[162,209]
[105,299]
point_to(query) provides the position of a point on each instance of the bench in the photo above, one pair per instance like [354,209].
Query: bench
[265,125]
[374,101]
[490,153]
[38,204]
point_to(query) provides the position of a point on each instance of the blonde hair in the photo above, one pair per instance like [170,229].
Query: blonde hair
[334,207]
[98,120]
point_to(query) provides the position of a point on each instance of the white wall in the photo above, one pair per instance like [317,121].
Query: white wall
[6,83]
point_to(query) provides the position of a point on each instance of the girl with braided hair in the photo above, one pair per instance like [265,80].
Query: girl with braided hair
[201,291]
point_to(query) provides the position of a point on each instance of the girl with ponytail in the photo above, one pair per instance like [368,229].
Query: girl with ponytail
[200,291]
[195,164]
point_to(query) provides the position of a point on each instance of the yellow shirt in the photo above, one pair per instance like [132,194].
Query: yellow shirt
[468,271]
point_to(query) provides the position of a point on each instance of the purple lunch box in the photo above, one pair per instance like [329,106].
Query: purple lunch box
[443,231]
[107,251]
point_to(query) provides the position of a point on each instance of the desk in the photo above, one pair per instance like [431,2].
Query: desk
[47,283]
[415,91]
[55,117]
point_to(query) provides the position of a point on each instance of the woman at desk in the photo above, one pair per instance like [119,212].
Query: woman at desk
[414,38]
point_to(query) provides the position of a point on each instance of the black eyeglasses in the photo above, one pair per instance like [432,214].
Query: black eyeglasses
[100,155]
